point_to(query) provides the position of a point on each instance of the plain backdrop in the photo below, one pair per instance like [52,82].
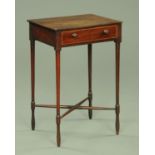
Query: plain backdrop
[79,135]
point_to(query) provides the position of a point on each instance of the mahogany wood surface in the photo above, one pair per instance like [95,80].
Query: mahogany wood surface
[58,95]
[71,31]
[33,83]
[71,106]
[88,35]
[73,22]
[74,107]
[90,95]
[117,57]
[74,30]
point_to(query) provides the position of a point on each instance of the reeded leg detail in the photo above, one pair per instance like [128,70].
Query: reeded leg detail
[117,107]
[90,79]
[58,96]
[33,83]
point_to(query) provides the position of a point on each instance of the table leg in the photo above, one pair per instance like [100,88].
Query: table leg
[58,96]
[32,83]
[117,107]
[90,79]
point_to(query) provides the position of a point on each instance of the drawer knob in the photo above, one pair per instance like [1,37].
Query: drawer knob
[74,35]
[105,32]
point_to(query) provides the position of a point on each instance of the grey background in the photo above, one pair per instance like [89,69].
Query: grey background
[80,136]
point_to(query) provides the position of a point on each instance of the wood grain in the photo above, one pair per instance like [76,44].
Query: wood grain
[70,31]
[89,35]
[73,22]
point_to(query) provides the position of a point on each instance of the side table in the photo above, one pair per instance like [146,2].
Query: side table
[70,31]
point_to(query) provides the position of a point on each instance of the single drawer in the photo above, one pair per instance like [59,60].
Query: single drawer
[72,37]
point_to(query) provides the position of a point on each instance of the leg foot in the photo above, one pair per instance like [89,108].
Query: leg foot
[33,121]
[33,116]
[58,131]
[117,123]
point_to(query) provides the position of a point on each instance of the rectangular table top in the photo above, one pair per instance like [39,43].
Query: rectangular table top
[73,22]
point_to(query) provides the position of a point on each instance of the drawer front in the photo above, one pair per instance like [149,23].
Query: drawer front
[104,33]
[72,37]
[75,36]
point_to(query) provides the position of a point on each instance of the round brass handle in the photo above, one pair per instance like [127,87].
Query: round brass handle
[105,32]
[74,35]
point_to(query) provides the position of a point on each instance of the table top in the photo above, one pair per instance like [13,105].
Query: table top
[73,22]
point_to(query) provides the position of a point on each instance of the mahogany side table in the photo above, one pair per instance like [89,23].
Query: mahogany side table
[68,31]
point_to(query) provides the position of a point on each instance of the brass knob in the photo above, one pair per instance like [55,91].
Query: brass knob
[105,31]
[74,35]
